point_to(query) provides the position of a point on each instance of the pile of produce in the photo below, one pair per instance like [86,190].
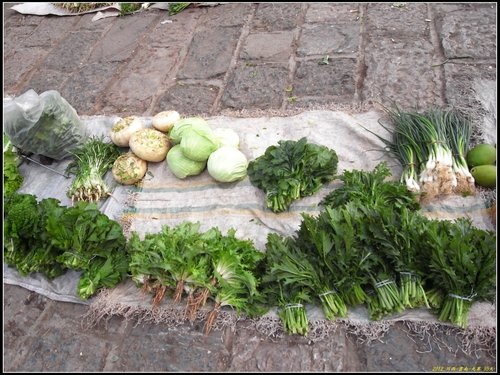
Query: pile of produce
[184,263]
[188,144]
[368,245]
[292,170]
[198,146]
[49,238]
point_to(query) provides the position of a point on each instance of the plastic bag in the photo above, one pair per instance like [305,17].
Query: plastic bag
[44,124]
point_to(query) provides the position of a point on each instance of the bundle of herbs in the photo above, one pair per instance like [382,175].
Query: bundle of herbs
[300,274]
[292,170]
[288,283]
[401,247]
[377,199]
[461,267]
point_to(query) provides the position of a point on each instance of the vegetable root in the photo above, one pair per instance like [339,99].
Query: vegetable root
[211,318]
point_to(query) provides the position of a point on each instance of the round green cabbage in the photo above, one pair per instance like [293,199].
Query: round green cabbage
[227,164]
[227,137]
[198,144]
[184,124]
[181,166]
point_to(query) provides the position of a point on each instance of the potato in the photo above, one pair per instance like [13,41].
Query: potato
[129,169]
[149,144]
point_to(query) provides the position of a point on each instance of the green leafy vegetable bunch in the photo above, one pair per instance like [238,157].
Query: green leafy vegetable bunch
[12,178]
[184,262]
[49,238]
[292,170]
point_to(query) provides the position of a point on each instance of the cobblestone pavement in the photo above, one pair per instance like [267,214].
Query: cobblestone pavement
[238,58]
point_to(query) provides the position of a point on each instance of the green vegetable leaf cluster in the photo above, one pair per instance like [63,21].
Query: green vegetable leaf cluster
[49,238]
[184,262]
[462,266]
[27,247]
[373,188]
[372,246]
[12,178]
[292,170]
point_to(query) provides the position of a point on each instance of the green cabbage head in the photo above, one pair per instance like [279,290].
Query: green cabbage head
[181,166]
[227,164]
[187,123]
[198,144]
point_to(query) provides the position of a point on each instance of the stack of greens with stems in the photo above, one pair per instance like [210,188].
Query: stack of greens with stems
[364,223]
[205,265]
[292,170]
[331,236]
[287,282]
[401,247]
[371,188]
[92,160]
[397,205]
[165,261]
[299,269]
[462,266]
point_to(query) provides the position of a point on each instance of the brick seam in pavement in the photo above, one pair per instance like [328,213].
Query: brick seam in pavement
[118,74]
[292,62]
[361,64]
[234,60]
[183,55]
[439,53]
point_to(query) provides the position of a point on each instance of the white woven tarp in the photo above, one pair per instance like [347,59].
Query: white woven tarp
[162,199]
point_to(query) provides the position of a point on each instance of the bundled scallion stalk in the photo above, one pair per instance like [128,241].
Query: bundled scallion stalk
[458,131]
[92,160]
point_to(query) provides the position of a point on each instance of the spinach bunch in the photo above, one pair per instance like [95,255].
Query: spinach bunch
[292,170]
[90,242]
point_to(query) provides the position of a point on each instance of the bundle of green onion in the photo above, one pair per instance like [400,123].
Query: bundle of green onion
[431,148]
